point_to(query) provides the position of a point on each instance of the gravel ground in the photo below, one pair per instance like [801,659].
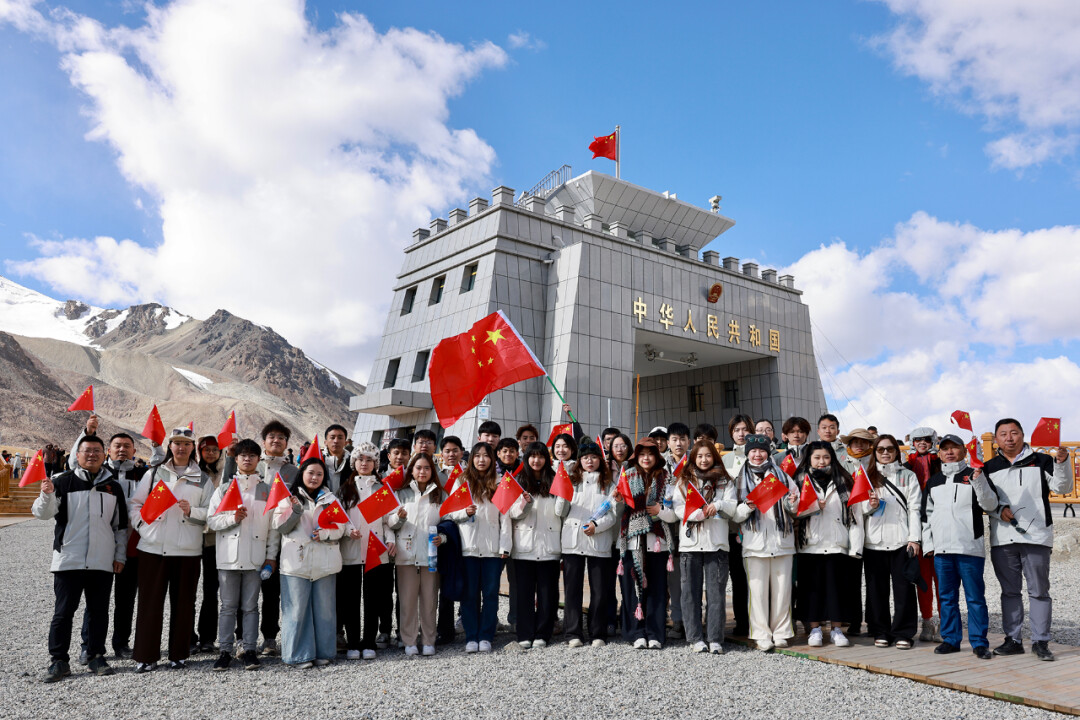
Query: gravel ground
[554,682]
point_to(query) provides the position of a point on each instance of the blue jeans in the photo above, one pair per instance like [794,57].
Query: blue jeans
[480,601]
[951,571]
[308,619]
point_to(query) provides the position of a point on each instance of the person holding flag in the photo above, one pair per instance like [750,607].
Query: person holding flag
[768,501]
[209,454]
[588,536]
[310,562]
[564,450]
[1022,531]
[90,541]
[486,539]
[169,512]
[925,463]
[676,458]
[244,543]
[417,581]
[893,537]
[452,468]
[705,499]
[739,427]
[374,584]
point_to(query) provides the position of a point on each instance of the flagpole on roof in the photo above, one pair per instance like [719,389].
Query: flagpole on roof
[618,151]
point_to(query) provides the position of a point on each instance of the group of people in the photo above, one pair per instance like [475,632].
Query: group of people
[658,524]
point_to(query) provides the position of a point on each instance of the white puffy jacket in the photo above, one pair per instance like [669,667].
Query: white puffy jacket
[734,460]
[576,514]
[953,504]
[301,555]
[537,529]
[825,532]
[487,534]
[895,526]
[354,552]
[712,534]
[173,534]
[247,544]
[766,540]
[411,532]
[1024,485]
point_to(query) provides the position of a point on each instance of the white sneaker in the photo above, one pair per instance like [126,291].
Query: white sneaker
[470,647]
[640,644]
[839,639]
[485,646]
[539,643]
[716,648]
[525,644]
[816,639]
[780,642]
[655,645]
[352,655]
[699,647]
[428,650]
[598,643]
[575,643]
[369,654]
[412,650]
[764,645]
[305,665]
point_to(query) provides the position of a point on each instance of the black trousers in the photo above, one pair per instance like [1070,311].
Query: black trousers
[179,577]
[69,586]
[537,597]
[378,603]
[127,586]
[208,610]
[740,593]
[601,583]
[271,606]
[350,585]
[653,602]
[882,568]
[445,626]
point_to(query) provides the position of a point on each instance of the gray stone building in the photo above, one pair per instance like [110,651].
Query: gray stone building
[608,284]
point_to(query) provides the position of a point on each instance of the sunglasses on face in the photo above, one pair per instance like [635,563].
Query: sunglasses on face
[886,449]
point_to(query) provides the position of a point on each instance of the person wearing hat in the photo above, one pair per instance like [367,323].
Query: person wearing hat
[1022,533]
[859,443]
[659,435]
[209,455]
[952,510]
[170,553]
[925,463]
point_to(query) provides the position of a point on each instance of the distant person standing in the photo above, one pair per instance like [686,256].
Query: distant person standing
[337,460]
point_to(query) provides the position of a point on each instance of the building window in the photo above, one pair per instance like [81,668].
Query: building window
[696,395]
[437,286]
[407,303]
[420,367]
[731,393]
[391,372]
[468,278]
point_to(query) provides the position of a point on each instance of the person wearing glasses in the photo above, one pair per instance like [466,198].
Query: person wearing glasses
[170,553]
[89,547]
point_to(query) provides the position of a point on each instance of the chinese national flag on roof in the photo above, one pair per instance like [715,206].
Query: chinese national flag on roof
[375,548]
[694,501]
[565,429]
[458,500]
[378,504]
[561,485]
[767,493]
[861,489]
[788,466]
[507,493]
[1047,433]
[225,437]
[467,367]
[331,515]
[623,488]
[962,420]
[35,471]
[159,500]
[278,492]
[84,401]
[231,500]
[606,146]
[154,430]
[807,495]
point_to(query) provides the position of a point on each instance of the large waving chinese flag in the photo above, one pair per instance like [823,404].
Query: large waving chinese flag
[606,146]
[84,401]
[467,367]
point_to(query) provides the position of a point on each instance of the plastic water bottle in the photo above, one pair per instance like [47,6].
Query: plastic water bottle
[432,549]
[601,511]
[267,571]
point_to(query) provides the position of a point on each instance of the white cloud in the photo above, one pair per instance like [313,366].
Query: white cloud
[522,39]
[1016,62]
[288,163]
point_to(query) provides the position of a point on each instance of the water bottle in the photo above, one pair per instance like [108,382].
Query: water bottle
[605,507]
[267,571]
[432,549]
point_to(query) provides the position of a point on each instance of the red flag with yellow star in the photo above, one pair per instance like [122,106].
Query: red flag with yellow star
[458,500]
[35,471]
[331,515]
[561,485]
[154,428]
[466,368]
[375,549]
[606,146]
[225,437]
[84,401]
[1047,433]
[278,492]
[694,501]
[962,419]
[507,493]
[378,504]
[808,496]
[159,500]
[860,489]
[564,429]
[788,466]
[767,493]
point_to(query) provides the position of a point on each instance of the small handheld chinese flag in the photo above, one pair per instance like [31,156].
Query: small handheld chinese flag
[789,466]
[974,452]
[767,493]
[395,480]
[623,488]
[331,515]
[378,504]
[452,478]
[694,501]
[225,437]
[600,444]
[154,430]
[566,429]
[680,465]
[313,451]
[561,485]
[278,492]
[606,146]
[231,500]
[507,493]
[860,491]
[84,401]
[458,500]
[962,419]
[35,471]
[375,548]
[159,500]
[807,495]
[191,426]
[1047,433]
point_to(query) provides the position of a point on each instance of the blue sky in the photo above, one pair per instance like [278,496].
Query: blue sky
[836,141]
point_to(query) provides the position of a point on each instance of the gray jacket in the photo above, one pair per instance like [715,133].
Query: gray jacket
[91,520]
[952,508]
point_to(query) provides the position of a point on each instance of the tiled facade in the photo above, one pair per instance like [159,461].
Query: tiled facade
[590,276]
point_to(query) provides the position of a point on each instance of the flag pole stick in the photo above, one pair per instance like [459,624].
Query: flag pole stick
[618,151]
[637,406]
[571,414]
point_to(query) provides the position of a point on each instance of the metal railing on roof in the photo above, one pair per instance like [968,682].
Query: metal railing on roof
[549,184]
